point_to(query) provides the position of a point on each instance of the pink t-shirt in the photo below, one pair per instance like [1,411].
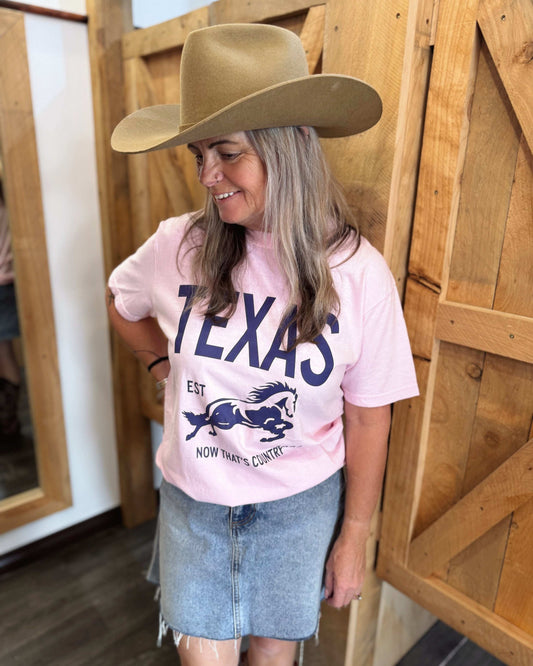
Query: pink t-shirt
[245,420]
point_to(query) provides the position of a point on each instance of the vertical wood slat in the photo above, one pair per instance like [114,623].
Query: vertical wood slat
[312,35]
[378,170]
[107,22]
[444,146]
[411,111]
[515,264]
[452,421]
[441,163]
[486,186]
[354,40]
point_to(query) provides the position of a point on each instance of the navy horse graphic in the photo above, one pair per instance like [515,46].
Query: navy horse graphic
[267,407]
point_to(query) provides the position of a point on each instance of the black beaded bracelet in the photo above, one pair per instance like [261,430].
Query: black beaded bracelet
[157,360]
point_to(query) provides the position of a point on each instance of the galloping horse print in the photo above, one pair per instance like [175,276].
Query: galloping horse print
[267,407]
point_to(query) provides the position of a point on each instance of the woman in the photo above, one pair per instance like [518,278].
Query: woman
[274,319]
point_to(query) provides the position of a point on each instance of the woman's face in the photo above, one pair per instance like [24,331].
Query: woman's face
[235,177]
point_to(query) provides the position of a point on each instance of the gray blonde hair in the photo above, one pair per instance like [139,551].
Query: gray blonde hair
[308,216]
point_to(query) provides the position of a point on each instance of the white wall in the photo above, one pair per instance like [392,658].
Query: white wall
[150,12]
[61,93]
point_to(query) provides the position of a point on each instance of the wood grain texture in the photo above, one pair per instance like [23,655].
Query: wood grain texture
[515,594]
[354,40]
[422,300]
[486,186]
[163,36]
[445,137]
[473,206]
[502,424]
[515,279]
[492,632]
[489,330]
[266,11]
[456,393]
[507,27]
[312,36]
[107,23]
[403,478]
[507,488]
[475,571]
[411,110]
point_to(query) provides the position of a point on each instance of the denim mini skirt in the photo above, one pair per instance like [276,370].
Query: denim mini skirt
[256,569]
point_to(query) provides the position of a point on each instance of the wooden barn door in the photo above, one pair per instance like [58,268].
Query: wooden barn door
[457,531]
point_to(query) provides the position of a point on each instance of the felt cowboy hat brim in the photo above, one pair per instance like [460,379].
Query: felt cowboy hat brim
[320,101]
[242,77]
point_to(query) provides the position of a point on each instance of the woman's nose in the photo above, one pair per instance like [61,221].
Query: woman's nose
[209,173]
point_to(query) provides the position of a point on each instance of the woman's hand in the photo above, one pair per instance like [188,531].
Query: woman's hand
[346,565]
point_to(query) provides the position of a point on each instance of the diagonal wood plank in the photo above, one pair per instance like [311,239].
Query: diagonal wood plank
[503,491]
[507,26]
[163,36]
[312,35]
[266,11]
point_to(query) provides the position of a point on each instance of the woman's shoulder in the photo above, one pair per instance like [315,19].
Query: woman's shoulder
[176,226]
[363,274]
[175,232]
[359,258]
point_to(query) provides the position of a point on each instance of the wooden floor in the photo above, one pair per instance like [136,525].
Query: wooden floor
[87,603]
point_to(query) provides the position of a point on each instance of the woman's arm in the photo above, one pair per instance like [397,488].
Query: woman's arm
[144,338]
[366,438]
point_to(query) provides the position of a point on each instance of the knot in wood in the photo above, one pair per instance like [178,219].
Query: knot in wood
[525,55]
[474,371]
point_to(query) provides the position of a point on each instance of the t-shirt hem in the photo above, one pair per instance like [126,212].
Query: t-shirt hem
[253,496]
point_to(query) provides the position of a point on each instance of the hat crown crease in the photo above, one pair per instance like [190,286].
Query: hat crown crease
[226,67]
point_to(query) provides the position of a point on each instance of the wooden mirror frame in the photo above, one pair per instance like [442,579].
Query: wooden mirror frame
[22,190]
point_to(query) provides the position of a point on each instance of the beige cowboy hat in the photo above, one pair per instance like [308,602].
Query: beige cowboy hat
[237,77]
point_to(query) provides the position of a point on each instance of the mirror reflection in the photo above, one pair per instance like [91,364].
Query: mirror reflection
[18,465]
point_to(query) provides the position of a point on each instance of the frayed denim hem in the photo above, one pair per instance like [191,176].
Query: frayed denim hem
[178,636]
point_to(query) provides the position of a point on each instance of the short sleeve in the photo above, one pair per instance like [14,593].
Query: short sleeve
[131,283]
[384,371]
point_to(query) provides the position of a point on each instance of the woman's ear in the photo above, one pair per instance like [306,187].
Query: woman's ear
[304,130]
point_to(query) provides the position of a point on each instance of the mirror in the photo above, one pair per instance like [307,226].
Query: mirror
[18,463]
[37,348]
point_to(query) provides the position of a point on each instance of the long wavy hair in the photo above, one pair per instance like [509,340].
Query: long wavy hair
[308,216]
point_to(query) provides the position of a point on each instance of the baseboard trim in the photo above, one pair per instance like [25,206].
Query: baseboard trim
[33,551]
